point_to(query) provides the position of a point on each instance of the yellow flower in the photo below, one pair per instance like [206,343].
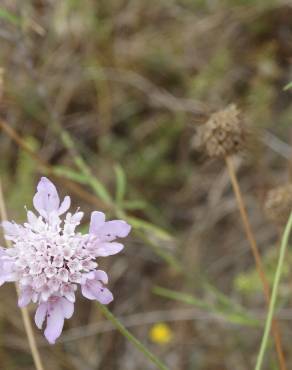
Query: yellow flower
[160,333]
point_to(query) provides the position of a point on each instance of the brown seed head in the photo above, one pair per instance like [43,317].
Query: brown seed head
[278,204]
[223,134]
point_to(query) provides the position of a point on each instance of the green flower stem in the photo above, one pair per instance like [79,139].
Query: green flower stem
[131,337]
[271,310]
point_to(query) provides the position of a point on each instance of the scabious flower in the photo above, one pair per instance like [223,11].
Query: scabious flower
[49,259]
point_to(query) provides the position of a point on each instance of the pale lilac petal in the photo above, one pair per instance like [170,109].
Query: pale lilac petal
[7,277]
[104,296]
[113,229]
[65,205]
[96,222]
[40,314]
[94,290]
[6,269]
[86,292]
[8,227]
[108,249]
[55,321]
[25,296]
[67,307]
[87,276]
[70,296]
[45,292]
[76,217]
[95,287]
[63,274]
[11,228]
[32,218]
[46,199]
[101,275]
[38,203]
[2,273]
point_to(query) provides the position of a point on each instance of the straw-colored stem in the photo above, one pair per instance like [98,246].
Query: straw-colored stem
[25,315]
[257,257]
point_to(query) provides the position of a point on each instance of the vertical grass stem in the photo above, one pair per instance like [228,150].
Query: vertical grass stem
[268,325]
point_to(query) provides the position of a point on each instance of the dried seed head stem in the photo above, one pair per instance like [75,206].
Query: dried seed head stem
[257,256]
[24,312]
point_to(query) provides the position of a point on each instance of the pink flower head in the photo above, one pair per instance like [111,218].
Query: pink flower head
[49,259]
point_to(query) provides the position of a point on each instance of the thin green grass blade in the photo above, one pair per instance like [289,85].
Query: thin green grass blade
[235,317]
[121,183]
[272,305]
[116,322]
[70,174]
[147,226]
[163,254]
[131,205]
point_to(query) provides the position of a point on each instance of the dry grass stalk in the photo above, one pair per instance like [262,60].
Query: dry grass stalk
[257,257]
[222,135]
[24,312]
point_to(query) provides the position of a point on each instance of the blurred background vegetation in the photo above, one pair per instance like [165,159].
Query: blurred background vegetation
[107,95]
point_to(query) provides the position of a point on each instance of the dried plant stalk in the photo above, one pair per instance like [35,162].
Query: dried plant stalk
[24,312]
[257,257]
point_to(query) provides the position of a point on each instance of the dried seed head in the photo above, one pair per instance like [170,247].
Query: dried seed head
[278,204]
[223,133]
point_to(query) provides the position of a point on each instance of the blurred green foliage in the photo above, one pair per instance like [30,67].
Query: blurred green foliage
[22,194]
[248,282]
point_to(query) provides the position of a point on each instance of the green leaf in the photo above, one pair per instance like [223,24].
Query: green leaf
[147,226]
[134,205]
[233,316]
[70,174]
[95,184]
[10,17]
[130,337]
[24,175]
[288,86]
[99,189]
[121,183]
